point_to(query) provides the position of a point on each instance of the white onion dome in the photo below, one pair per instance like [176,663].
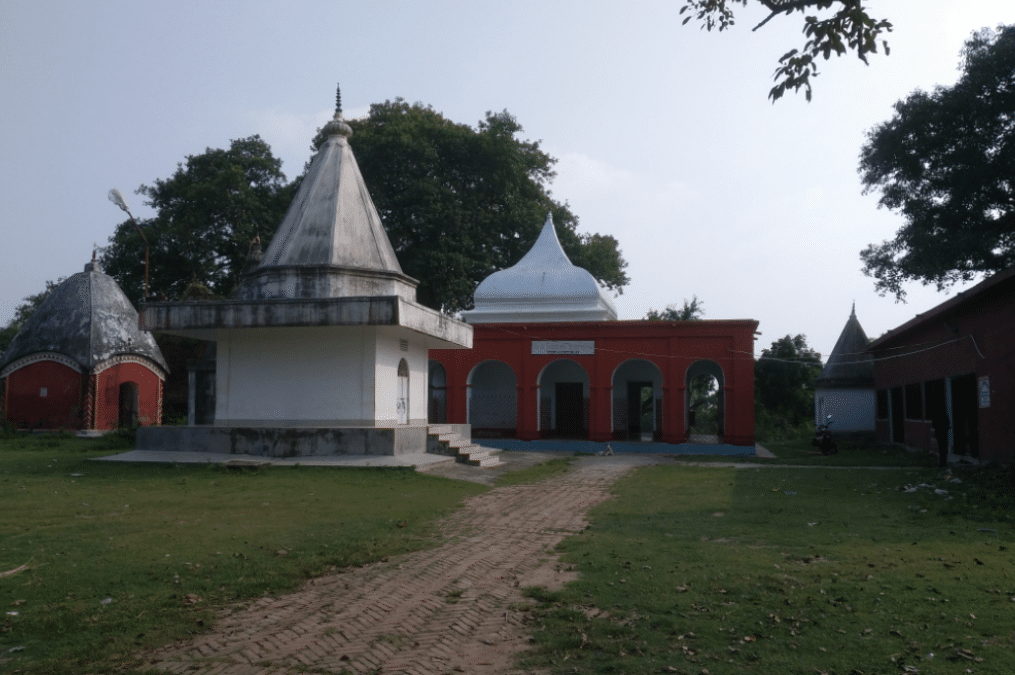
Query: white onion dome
[544,286]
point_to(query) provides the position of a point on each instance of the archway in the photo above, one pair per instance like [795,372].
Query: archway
[637,401]
[705,402]
[493,400]
[437,399]
[402,402]
[128,405]
[564,400]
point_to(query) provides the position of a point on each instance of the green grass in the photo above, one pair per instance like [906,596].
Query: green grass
[789,571]
[800,452]
[537,472]
[131,556]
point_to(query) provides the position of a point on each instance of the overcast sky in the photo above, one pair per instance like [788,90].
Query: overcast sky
[665,135]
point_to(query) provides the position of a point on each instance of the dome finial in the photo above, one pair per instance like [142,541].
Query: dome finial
[337,125]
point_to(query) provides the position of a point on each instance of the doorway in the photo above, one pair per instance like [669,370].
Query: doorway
[402,402]
[128,413]
[570,409]
[965,416]
[640,411]
[898,416]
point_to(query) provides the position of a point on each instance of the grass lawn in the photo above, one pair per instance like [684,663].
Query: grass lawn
[128,556]
[699,570]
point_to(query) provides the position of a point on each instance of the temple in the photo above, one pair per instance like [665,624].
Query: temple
[80,362]
[550,360]
[323,349]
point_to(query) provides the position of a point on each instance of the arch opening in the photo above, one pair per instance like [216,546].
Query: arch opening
[563,400]
[437,393]
[128,405]
[402,401]
[493,400]
[705,403]
[637,401]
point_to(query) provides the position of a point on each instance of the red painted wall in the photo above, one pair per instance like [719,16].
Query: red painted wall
[671,346]
[973,336]
[60,408]
[107,395]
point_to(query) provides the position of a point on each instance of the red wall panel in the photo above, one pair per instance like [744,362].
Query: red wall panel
[59,408]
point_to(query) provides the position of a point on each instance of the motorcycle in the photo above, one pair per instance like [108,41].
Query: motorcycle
[823,438]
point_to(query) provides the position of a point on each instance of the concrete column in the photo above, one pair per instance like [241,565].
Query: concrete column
[600,419]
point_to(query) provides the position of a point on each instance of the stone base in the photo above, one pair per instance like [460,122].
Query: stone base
[285,441]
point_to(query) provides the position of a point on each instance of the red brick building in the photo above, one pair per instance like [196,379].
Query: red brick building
[550,360]
[80,361]
[952,366]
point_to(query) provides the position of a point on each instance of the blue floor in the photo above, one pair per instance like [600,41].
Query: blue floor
[593,447]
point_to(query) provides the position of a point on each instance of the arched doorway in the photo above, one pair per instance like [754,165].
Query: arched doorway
[637,401]
[128,405]
[564,400]
[402,402]
[705,403]
[493,400]
[437,400]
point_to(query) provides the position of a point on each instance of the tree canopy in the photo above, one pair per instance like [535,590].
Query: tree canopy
[849,27]
[23,311]
[460,203]
[692,310]
[784,378]
[209,211]
[946,163]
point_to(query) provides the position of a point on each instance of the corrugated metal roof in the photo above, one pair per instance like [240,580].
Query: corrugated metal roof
[848,365]
[88,319]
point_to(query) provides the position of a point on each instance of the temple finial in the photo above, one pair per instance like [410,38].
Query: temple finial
[337,125]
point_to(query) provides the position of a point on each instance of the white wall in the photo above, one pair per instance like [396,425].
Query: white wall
[388,354]
[851,409]
[296,376]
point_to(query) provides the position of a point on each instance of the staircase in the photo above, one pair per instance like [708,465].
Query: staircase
[448,439]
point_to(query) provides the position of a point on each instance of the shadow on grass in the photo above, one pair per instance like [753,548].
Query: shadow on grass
[783,571]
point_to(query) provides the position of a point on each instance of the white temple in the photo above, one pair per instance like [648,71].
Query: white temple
[326,332]
[544,286]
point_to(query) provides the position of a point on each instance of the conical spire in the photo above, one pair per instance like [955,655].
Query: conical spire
[331,224]
[848,365]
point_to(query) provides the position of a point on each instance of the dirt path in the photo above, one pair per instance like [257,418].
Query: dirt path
[446,610]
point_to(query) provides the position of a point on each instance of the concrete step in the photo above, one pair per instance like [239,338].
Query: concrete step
[447,461]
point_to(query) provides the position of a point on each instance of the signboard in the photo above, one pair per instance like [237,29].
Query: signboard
[983,387]
[572,347]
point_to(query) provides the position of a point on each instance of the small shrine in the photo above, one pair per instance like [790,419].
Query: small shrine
[845,387]
[323,349]
[80,362]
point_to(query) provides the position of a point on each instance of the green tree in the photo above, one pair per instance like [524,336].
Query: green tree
[946,163]
[23,311]
[784,377]
[460,203]
[692,310]
[209,212]
[849,27]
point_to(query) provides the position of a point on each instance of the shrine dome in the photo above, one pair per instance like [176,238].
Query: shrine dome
[88,320]
[543,287]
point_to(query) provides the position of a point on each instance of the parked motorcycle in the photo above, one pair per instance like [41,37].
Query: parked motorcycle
[823,438]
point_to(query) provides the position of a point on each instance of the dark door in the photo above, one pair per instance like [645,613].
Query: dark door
[637,424]
[965,416]
[898,416]
[570,409]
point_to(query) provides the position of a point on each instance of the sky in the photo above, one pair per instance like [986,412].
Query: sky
[665,135]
